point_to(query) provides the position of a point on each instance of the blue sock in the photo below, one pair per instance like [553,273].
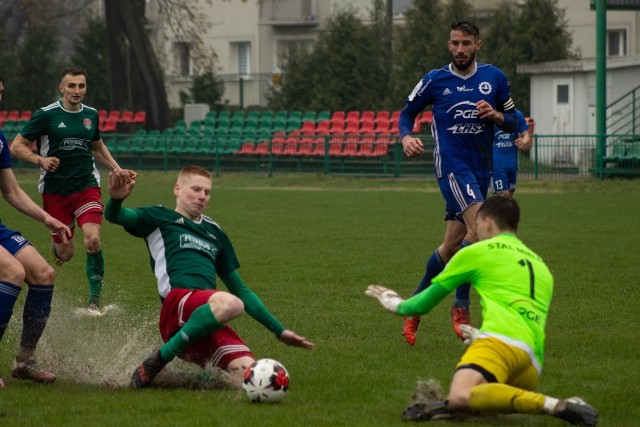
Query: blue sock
[463,291]
[434,266]
[8,296]
[37,307]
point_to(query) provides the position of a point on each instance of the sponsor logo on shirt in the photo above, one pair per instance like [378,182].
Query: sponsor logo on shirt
[187,241]
[73,143]
[464,89]
[485,88]
[465,110]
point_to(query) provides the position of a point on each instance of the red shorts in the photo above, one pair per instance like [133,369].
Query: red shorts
[218,348]
[83,207]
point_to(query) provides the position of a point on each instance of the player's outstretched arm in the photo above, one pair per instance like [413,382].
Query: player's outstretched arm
[291,338]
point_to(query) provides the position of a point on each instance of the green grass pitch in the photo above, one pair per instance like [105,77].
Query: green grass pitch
[309,245]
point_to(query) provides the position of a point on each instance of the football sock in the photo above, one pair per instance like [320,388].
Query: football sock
[95,274]
[37,307]
[435,265]
[8,296]
[505,399]
[202,322]
[463,291]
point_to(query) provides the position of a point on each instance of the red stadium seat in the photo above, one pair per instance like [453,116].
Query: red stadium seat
[322,128]
[366,150]
[140,117]
[350,149]
[338,115]
[114,115]
[126,117]
[367,116]
[262,148]
[308,128]
[337,127]
[109,125]
[352,128]
[14,115]
[352,116]
[381,150]
[25,115]
[248,148]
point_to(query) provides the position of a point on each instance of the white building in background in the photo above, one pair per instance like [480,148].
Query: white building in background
[563,92]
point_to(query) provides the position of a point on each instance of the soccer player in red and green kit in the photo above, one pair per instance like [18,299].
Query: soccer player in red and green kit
[500,369]
[188,250]
[68,144]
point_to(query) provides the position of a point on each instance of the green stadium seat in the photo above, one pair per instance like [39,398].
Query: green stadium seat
[323,115]
[309,116]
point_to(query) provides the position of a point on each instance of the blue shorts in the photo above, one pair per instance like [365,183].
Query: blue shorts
[11,240]
[462,189]
[503,180]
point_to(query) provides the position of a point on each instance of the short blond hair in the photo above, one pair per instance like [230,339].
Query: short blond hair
[193,170]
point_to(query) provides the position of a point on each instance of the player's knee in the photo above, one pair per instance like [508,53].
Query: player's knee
[226,306]
[42,274]
[92,243]
[13,272]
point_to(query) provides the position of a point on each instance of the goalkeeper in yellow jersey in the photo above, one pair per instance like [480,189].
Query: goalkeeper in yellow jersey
[501,366]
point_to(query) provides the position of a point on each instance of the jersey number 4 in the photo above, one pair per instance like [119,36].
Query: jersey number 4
[527,263]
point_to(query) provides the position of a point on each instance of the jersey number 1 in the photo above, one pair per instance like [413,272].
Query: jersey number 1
[524,262]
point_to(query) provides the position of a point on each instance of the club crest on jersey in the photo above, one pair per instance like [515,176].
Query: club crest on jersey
[485,88]
[87,123]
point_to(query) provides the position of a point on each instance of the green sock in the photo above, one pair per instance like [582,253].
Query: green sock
[95,274]
[202,322]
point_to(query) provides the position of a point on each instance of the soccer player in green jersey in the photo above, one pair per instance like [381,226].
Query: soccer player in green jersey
[500,368]
[188,250]
[68,143]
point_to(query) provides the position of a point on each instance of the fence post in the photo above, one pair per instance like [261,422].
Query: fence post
[397,158]
[535,156]
[241,92]
[326,164]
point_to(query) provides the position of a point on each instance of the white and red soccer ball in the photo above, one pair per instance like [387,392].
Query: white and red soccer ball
[266,380]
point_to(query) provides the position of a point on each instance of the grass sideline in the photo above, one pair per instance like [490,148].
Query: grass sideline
[309,245]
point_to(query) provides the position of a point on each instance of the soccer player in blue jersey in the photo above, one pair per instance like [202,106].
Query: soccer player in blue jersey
[505,157]
[468,98]
[20,262]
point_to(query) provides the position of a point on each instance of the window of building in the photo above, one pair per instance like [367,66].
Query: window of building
[182,53]
[242,51]
[617,42]
[286,48]
[562,94]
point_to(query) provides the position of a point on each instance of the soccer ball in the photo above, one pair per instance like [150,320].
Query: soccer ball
[266,380]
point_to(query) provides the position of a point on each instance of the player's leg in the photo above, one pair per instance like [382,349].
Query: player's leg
[37,306]
[61,208]
[88,211]
[94,264]
[11,279]
[464,191]
[493,377]
[186,316]
[453,236]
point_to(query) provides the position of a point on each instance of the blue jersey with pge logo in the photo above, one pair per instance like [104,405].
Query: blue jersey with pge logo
[505,152]
[463,142]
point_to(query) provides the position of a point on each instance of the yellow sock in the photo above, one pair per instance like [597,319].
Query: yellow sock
[505,399]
